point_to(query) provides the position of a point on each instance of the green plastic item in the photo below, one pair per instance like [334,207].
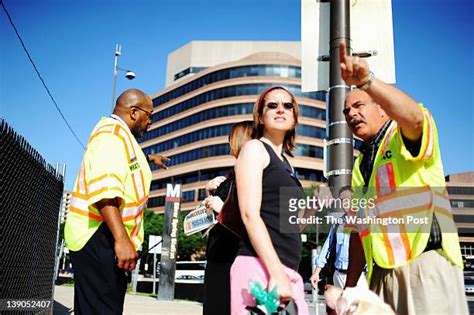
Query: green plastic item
[269,300]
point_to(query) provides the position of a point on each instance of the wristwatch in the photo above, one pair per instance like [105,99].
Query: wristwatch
[368,83]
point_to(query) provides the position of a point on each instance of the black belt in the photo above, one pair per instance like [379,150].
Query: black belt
[344,271]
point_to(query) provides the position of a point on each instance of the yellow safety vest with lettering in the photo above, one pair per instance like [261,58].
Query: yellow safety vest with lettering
[113,166]
[408,189]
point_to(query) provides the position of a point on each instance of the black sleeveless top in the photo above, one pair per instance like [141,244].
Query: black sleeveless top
[285,237]
[222,244]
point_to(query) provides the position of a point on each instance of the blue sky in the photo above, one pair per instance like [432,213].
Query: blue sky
[72,43]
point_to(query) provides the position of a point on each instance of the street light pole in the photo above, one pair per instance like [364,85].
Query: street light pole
[340,146]
[129,74]
[118,52]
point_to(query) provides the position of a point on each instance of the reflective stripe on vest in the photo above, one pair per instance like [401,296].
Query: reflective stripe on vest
[111,182]
[405,186]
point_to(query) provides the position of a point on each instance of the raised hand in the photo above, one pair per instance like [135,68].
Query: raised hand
[354,70]
[214,183]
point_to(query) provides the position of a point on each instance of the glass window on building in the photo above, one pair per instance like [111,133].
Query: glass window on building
[202,194]
[188,196]
[309,175]
[156,202]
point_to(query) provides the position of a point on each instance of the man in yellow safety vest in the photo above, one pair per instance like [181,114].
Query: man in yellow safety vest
[406,233]
[104,228]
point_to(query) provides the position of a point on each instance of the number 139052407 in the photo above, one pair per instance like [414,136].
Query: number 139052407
[24,304]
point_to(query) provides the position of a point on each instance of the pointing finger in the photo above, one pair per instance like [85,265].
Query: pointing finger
[342,52]
[356,64]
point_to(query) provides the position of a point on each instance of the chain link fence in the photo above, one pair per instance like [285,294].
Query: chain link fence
[30,198]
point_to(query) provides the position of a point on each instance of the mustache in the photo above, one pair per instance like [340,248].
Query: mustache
[354,121]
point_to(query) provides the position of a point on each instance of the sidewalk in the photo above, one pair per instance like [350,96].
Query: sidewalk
[134,304]
[138,304]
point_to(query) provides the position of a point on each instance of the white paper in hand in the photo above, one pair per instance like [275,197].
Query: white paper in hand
[198,219]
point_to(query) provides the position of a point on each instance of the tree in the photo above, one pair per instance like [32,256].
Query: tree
[153,225]
[187,245]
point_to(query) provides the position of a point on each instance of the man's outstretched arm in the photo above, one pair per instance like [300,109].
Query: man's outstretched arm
[397,104]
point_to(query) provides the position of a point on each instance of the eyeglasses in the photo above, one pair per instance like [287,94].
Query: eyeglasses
[149,114]
[274,105]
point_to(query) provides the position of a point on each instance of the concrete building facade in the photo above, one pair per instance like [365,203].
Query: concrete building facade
[461,194]
[212,85]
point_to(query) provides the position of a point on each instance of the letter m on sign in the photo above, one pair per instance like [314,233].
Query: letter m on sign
[173,193]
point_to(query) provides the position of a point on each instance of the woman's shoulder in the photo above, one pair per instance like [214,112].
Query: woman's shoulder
[254,152]
[253,146]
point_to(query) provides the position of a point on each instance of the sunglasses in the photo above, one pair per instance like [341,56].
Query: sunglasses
[149,114]
[274,105]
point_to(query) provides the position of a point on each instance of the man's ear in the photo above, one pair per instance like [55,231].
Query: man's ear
[133,114]
[383,114]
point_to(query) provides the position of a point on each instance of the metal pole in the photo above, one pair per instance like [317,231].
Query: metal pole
[314,292]
[154,272]
[64,260]
[56,254]
[135,277]
[317,234]
[118,52]
[340,141]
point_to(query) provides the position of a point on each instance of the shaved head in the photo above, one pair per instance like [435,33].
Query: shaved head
[133,97]
[135,108]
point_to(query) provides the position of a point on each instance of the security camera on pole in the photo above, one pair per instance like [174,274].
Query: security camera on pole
[128,74]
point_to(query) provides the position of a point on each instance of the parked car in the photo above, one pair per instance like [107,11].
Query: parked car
[187,277]
[469,285]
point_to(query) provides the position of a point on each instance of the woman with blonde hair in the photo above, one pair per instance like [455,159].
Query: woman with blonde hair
[222,245]
[268,253]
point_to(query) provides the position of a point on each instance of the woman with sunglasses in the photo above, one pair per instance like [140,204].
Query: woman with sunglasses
[269,253]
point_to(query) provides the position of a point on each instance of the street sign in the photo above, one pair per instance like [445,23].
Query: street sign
[371,37]
[152,247]
[170,242]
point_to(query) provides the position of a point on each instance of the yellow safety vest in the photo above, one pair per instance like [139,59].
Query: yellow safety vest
[409,189]
[113,166]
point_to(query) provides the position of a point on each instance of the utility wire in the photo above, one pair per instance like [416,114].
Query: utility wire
[39,75]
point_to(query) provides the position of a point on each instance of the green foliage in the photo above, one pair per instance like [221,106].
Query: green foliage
[153,225]
[61,231]
[187,245]
[309,191]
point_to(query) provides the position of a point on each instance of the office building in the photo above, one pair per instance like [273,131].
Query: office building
[211,85]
